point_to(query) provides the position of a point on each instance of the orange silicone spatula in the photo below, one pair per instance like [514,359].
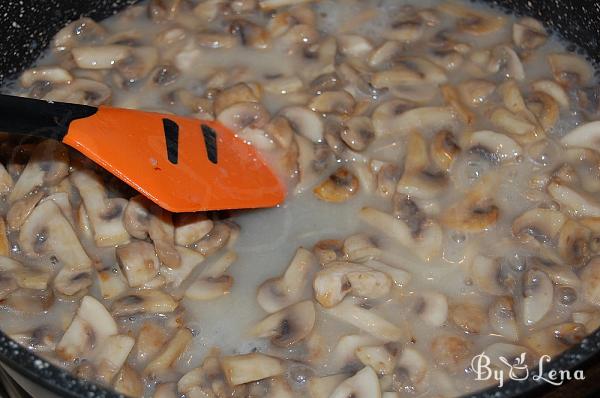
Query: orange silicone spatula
[180,163]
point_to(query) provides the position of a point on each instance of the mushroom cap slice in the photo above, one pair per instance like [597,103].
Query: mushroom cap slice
[242,369]
[364,384]
[489,276]
[343,355]
[322,387]
[586,135]
[47,166]
[191,227]
[138,261]
[379,358]
[144,301]
[590,278]
[170,353]
[538,296]
[500,147]
[209,288]
[89,328]
[503,319]
[304,122]
[541,224]
[278,293]
[190,259]
[577,203]
[566,67]
[432,308]
[47,232]
[425,118]
[289,325]
[111,356]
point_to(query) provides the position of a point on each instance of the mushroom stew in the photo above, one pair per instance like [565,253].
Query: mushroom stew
[443,165]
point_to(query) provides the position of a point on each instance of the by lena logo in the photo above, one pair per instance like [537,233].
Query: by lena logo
[518,370]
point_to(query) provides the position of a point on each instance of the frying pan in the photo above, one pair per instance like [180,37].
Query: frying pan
[26,27]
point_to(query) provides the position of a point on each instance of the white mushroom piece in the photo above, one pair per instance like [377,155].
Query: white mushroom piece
[529,33]
[15,275]
[432,308]
[191,227]
[105,214]
[590,278]
[343,355]
[47,166]
[287,326]
[411,372]
[47,233]
[340,278]
[586,135]
[277,293]
[138,262]
[110,356]
[570,69]
[83,30]
[242,369]
[503,318]
[538,296]
[543,225]
[89,329]
[170,353]
[150,301]
[362,385]
[578,204]
[490,276]
[398,117]
[322,387]
[367,320]
[421,235]
[556,339]
[494,147]
[143,218]
[472,21]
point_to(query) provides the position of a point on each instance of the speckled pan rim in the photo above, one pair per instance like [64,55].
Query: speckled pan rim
[62,383]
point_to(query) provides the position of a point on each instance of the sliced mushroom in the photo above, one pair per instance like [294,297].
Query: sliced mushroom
[151,338]
[367,320]
[105,215]
[411,370]
[475,92]
[584,136]
[432,308]
[493,146]
[468,316]
[540,224]
[360,248]
[449,350]
[81,91]
[90,327]
[393,118]
[472,21]
[190,259]
[40,339]
[322,387]
[338,187]
[191,227]
[223,234]
[243,115]
[162,232]
[505,55]
[358,133]
[444,150]
[288,326]
[577,203]
[138,261]
[80,31]
[574,244]
[556,339]
[538,294]
[144,301]
[333,283]
[590,277]
[409,71]
[570,69]
[170,353]
[22,208]
[343,355]
[503,319]
[209,288]
[477,211]
[50,75]
[490,276]
[111,356]
[328,251]
[241,369]
[552,89]
[426,241]
[362,385]
[529,33]
[379,358]
[237,93]
[277,293]
[340,102]
[129,382]
[99,57]
[47,166]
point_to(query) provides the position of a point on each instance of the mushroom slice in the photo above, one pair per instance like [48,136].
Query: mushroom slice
[384,53]
[426,242]
[470,21]
[99,57]
[151,338]
[47,232]
[570,69]
[409,71]
[489,276]
[79,31]
[343,355]
[26,277]
[190,259]
[503,319]
[304,122]
[367,320]
[360,248]
[552,89]
[358,133]
[501,353]
[475,92]
[444,150]
[449,350]
[191,227]
[111,355]
[328,251]
[432,308]
[578,204]
[138,261]
[338,187]
[505,55]
[237,93]
[268,5]
[311,161]
[574,244]
[379,358]
[40,339]
[47,166]
[289,325]
[529,33]
[170,353]
[590,277]
[470,317]
[129,382]
[519,126]
[586,135]
[162,232]
[333,283]
[419,119]
[452,98]
[340,102]
[81,91]
[475,212]
[556,339]
[354,45]
[399,276]
[209,288]
[544,108]
[364,384]
[45,74]
[541,224]
[90,327]
[244,115]
[105,215]
[242,369]
[538,295]
[136,217]
[144,301]
[411,370]
[277,293]
[494,146]
[223,233]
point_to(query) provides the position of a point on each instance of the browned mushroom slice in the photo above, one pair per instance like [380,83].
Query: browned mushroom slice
[468,316]
[170,353]
[570,69]
[475,92]
[538,295]
[409,71]
[472,21]
[289,325]
[339,187]
[111,356]
[151,338]
[240,92]
[556,339]
[591,281]
[90,327]
[394,118]
[340,102]
[138,261]
[362,385]
[209,288]
[47,166]
[529,33]
[40,339]
[242,369]
[129,382]
[144,301]
[81,31]
[578,204]
[503,318]
[476,212]
[191,227]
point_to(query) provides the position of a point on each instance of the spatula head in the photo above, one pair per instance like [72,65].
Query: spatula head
[182,164]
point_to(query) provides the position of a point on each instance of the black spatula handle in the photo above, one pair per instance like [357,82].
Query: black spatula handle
[27,116]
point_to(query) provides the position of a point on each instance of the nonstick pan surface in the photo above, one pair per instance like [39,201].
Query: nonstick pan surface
[26,27]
